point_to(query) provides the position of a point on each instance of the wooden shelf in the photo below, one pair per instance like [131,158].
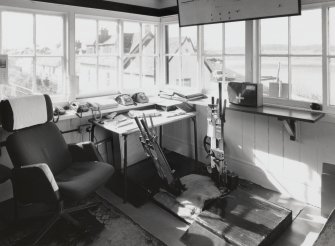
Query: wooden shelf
[280,113]
[289,117]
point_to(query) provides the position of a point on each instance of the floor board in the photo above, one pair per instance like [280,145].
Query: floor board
[303,231]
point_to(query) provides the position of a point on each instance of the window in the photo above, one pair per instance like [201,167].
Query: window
[331,56]
[181,56]
[291,57]
[224,53]
[97,54]
[140,60]
[36,55]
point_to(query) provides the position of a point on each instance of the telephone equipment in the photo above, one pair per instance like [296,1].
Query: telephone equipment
[124,99]
[59,111]
[140,97]
[93,106]
[79,107]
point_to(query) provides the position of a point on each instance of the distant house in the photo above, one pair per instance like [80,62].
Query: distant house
[189,73]
[88,65]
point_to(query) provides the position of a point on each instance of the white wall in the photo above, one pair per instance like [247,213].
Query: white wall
[259,149]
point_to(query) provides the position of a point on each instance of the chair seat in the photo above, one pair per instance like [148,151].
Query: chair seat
[82,178]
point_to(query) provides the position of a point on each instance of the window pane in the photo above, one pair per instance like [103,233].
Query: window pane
[332,31]
[307,79]
[149,39]
[86,35]
[189,40]
[235,38]
[306,32]
[131,37]
[131,72]
[107,74]
[17,33]
[172,39]
[189,73]
[213,39]
[149,71]
[274,36]
[49,42]
[332,81]
[235,68]
[172,64]
[86,69]
[21,72]
[49,75]
[108,38]
[274,76]
[212,72]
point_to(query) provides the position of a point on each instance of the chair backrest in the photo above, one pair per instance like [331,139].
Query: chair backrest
[34,139]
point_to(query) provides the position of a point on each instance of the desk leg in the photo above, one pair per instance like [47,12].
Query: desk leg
[125,164]
[112,148]
[92,133]
[194,119]
[161,136]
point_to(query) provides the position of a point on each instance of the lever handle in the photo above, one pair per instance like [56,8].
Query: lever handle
[223,115]
[145,126]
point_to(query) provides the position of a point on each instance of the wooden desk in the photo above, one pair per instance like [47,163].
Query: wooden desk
[125,131]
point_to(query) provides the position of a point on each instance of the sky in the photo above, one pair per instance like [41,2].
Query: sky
[18,30]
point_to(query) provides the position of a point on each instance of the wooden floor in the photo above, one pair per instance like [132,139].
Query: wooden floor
[303,231]
[307,220]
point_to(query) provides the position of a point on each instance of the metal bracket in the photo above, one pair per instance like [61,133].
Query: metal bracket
[291,128]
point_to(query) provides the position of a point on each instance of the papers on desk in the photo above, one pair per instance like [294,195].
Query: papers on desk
[103,102]
[183,96]
[174,113]
[147,113]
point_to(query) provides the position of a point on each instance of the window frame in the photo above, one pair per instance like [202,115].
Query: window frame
[35,56]
[96,56]
[223,55]
[195,85]
[121,55]
[325,57]
[140,54]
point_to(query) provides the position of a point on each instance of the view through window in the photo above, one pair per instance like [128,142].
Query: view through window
[97,54]
[291,57]
[36,55]
[223,54]
[181,61]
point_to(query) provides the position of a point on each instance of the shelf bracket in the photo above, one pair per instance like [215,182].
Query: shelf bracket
[291,128]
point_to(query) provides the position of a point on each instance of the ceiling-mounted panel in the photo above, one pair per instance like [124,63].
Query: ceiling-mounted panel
[197,12]
[142,7]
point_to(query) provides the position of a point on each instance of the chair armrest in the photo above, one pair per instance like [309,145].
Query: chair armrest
[34,183]
[85,151]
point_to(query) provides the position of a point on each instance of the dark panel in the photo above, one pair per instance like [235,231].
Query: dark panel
[242,218]
[169,11]
[115,6]
[327,189]
[326,236]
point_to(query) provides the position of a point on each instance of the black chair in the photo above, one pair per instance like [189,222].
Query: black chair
[46,169]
